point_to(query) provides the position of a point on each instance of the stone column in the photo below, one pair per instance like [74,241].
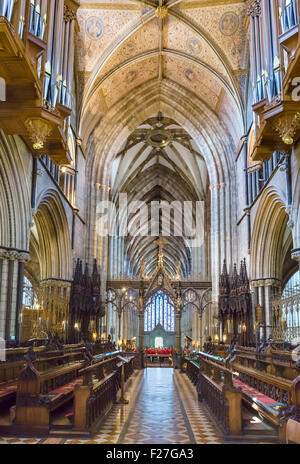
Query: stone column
[11,291]
[295,254]
[99,242]
[264,290]
[200,331]
[178,332]
[141,330]
[271,287]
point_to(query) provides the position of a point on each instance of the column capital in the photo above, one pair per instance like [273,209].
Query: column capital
[69,14]
[103,187]
[55,283]
[295,254]
[255,8]
[217,186]
[266,282]
[13,254]
[272,282]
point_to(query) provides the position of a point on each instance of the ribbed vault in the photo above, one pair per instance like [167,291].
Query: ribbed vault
[159,164]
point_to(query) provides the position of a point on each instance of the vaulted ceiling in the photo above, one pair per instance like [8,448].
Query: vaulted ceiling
[158,162]
[199,44]
[171,54]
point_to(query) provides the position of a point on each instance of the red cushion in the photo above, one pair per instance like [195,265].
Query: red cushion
[68,387]
[8,388]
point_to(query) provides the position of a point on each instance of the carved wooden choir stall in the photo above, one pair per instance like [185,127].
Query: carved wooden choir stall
[85,303]
[235,308]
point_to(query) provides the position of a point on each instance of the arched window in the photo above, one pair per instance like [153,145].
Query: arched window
[159,310]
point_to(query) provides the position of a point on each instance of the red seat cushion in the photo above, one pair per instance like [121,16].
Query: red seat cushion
[8,388]
[258,397]
[68,387]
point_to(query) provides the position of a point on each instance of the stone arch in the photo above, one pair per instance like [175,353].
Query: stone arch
[54,241]
[271,240]
[208,132]
[15,212]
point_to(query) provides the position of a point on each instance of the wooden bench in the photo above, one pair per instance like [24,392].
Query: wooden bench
[39,394]
[275,362]
[9,371]
[266,393]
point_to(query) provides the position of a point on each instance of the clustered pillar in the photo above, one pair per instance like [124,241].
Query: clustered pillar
[264,291]
[12,264]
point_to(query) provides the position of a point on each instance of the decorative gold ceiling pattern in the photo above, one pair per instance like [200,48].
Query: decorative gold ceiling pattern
[123,44]
[225,24]
[127,78]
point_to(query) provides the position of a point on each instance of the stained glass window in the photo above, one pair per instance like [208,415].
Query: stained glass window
[159,310]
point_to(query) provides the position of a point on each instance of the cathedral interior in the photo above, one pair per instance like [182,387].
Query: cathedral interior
[149,221]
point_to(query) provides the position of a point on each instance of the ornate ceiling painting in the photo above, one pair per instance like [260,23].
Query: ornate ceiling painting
[135,56]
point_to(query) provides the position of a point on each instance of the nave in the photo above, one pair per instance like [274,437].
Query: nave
[163,408]
[149,221]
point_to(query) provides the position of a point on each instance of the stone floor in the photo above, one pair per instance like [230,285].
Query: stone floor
[160,415]
[162,409]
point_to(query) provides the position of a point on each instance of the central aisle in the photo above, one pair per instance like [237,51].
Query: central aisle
[158,416]
[161,414]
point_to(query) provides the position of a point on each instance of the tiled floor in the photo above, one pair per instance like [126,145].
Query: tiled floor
[157,416]
[202,427]
[163,408]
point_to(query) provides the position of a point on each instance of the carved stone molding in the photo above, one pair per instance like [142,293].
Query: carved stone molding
[106,188]
[287,125]
[55,283]
[161,12]
[39,129]
[295,254]
[14,255]
[69,14]
[255,8]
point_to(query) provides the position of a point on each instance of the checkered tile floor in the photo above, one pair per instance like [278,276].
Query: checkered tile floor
[203,429]
[162,409]
[157,416]
[112,427]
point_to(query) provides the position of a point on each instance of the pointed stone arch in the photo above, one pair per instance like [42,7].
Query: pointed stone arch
[15,212]
[214,144]
[54,239]
[269,247]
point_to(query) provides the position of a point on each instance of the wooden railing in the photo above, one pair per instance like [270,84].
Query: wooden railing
[214,385]
[101,396]
[277,388]
[10,369]
[259,370]
[95,397]
[275,362]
